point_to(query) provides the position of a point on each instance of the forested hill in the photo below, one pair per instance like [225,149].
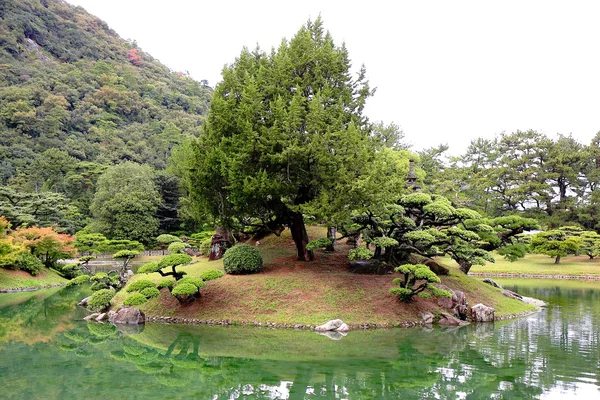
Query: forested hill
[74,97]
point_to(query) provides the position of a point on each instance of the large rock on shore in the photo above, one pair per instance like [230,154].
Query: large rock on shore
[482,313]
[127,315]
[334,325]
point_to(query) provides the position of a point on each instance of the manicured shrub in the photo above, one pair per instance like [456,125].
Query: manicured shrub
[194,281]
[100,300]
[185,289]
[139,285]
[320,243]
[134,299]
[205,247]
[177,247]
[362,253]
[166,239]
[242,258]
[150,292]
[80,280]
[211,274]
[30,263]
[148,268]
[408,287]
[168,283]
[98,286]
[68,271]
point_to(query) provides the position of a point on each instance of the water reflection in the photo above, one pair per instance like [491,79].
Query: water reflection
[46,351]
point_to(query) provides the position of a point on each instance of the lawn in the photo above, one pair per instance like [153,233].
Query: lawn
[538,264]
[22,279]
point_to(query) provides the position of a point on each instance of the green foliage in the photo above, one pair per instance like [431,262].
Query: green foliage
[126,254]
[590,244]
[150,292]
[149,268]
[205,247]
[408,287]
[126,202]
[168,283]
[135,299]
[360,253]
[555,243]
[173,260]
[178,247]
[166,239]
[68,271]
[115,245]
[102,280]
[211,274]
[194,281]
[185,289]
[320,243]
[79,280]
[30,263]
[139,285]
[286,126]
[90,242]
[100,300]
[242,258]
[196,239]
[514,252]
[383,242]
[98,286]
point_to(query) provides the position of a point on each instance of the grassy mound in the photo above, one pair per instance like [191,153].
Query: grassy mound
[22,280]
[292,292]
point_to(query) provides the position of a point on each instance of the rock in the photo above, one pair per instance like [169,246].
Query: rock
[427,318]
[446,302]
[84,302]
[333,335]
[333,325]
[102,317]
[127,315]
[535,302]
[448,320]
[492,282]
[457,304]
[512,295]
[91,316]
[128,274]
[482,313]
[372,266]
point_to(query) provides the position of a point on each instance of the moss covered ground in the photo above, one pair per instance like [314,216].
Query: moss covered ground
[292,292]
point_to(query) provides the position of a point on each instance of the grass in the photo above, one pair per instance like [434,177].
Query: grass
[292,292]
[538,264]
[22,279]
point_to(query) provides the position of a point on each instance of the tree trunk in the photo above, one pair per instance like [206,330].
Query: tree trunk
[465,266]
[557,260]
[331,233]
[300,237]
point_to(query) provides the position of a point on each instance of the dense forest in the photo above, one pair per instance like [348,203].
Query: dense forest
[76,99]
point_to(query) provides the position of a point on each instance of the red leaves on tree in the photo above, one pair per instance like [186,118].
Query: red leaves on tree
[134,57]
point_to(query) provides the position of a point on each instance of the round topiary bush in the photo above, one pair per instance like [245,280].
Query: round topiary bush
[194,281]
[150,292]
[242,259]
[168,283]
[177,247]
[139,285]
[100,300]
[135,299]
[211,274]
[184,289]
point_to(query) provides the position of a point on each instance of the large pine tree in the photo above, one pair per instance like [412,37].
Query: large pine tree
[285,133]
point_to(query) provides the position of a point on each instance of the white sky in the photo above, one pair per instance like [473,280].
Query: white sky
[445,71]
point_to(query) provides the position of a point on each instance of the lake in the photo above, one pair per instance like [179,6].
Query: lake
[48,352]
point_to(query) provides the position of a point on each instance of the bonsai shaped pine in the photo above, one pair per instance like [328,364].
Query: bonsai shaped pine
[171,261]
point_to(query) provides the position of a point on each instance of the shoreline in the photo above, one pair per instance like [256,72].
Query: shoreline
[535,276]
[32,288]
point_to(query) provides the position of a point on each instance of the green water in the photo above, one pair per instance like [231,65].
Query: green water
[48,352]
